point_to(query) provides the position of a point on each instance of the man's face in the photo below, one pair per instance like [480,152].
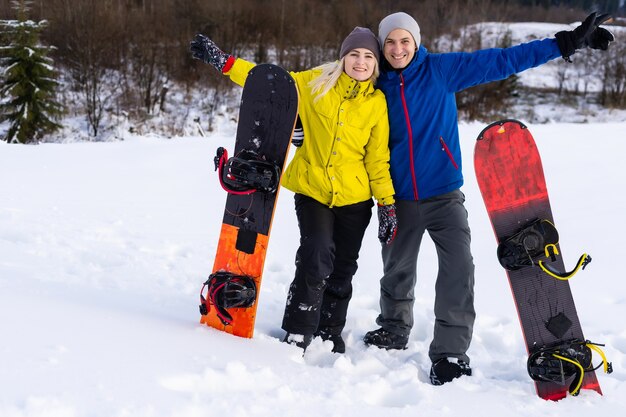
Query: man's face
[399,48]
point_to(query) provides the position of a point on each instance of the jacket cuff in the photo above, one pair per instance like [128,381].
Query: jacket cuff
[386,201]
[229,64]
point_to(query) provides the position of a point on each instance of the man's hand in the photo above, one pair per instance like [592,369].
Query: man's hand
[587,35]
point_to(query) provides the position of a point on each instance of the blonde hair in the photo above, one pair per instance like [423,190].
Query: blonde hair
[331,71]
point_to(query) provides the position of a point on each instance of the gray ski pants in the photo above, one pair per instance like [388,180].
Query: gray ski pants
[445,219]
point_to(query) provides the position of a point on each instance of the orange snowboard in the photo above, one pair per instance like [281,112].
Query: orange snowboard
[267,117]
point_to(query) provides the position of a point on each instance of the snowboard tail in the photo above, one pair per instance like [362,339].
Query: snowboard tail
[267,117]
[512,182]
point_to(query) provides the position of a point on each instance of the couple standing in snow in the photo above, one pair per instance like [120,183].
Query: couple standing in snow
[386,126]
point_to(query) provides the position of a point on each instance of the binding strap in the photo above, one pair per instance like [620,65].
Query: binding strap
[246,173]
[534,245]
[226,290]
[558,363]
[220,160]
[583,261]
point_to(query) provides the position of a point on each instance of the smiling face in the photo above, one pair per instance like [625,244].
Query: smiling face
[360,63]
[399,48]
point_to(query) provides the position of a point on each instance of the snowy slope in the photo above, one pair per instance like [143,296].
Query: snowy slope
[104,247]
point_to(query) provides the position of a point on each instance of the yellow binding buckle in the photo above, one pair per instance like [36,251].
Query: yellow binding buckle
[563,276]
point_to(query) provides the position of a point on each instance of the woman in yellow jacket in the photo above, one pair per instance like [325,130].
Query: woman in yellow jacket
[343,162]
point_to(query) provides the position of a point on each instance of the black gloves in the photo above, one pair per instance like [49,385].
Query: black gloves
[588,34]
[297,138]
[387,223]
[205,50]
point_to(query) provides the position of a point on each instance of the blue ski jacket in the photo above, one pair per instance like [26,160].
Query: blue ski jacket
[424,136]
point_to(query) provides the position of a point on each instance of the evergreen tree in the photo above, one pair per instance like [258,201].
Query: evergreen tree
[27,79]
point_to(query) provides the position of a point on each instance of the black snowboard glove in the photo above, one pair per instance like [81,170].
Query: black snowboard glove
[205,50]
[387,223]
[587,35]
[297,138]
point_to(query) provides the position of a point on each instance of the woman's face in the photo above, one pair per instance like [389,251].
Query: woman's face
[399,48]
[359,64]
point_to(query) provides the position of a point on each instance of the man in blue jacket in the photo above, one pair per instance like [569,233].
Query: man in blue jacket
[426,170]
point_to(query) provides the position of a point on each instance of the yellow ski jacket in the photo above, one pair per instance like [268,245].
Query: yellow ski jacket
[345,155]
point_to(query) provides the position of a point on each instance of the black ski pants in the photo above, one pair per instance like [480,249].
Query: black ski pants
[330,241]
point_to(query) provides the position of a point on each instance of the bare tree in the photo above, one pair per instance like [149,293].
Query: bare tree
[88,52]
[614,77]
[141,46]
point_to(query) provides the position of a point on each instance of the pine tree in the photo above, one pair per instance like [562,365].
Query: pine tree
[27,79]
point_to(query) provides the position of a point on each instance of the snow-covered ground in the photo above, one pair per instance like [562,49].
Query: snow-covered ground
[104,247]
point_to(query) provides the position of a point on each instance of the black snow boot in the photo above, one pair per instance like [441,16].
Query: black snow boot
[444,371]
[339,346]
[301,340]
[383,339]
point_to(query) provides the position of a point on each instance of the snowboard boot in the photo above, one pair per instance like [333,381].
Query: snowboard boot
[445,370]
[301,340]
[384,339]
[339,346]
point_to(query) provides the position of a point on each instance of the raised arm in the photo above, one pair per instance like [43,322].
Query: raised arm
[207,51]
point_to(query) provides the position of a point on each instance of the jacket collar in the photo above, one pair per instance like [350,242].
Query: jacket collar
[348,87]
[420,56]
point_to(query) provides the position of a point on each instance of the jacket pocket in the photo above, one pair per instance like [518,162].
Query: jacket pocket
[361,182]
[325,107]
[358,118]
[353,184]
[444,147]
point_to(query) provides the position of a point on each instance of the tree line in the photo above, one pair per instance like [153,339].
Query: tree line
[142,45]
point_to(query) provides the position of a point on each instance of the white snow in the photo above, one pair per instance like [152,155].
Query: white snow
[104,248]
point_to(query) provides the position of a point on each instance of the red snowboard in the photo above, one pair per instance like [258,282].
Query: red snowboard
[511,180]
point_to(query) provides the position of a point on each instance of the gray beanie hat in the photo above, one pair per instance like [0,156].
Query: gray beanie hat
[360,38]
[398,20]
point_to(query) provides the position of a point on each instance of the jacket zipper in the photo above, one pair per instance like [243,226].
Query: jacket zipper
[444,147]
[410,138]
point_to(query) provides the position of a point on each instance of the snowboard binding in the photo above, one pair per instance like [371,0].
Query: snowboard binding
[226,290]
[246,173]
[531,245]
[560,362]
